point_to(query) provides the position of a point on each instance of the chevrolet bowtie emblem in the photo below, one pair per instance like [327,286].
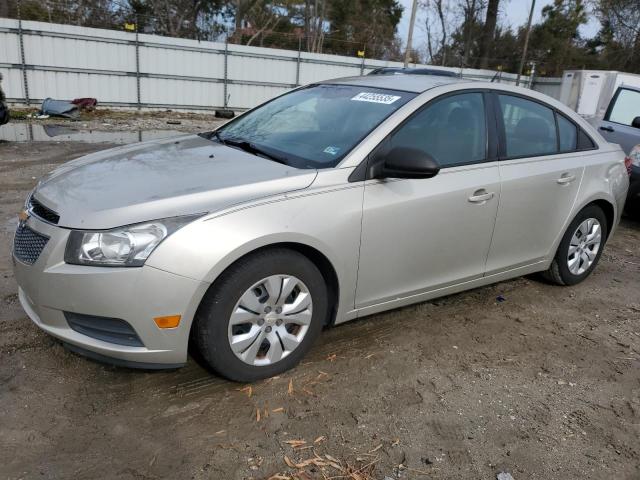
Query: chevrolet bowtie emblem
[23,216]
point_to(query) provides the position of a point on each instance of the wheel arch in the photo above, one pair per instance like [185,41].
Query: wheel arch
[607,206]
[609,212]
[312,253]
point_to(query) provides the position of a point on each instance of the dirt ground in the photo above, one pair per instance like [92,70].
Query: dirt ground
[543,383]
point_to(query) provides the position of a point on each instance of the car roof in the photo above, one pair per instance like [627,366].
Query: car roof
[406,82]
[413,71]
[421,83]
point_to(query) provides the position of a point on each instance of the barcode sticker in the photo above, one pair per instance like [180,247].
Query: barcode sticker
[375,98]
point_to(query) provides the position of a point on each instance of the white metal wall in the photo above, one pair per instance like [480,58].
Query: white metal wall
[66,62]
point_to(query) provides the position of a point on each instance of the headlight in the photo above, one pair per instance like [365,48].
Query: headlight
[128,246]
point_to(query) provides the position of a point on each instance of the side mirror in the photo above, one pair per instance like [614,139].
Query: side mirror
[636,122]
[402,162]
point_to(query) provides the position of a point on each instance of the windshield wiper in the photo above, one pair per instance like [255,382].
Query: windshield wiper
[217,136]
[251,148]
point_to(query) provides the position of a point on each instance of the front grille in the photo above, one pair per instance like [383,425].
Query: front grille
[28,244]
[112,330]
[45,213]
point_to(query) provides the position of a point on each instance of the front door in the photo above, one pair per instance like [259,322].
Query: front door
[616,126]
[420,235]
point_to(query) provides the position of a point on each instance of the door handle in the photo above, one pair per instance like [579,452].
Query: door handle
[566,179]
[607,129]
[481,196]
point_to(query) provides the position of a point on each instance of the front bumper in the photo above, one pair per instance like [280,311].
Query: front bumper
[50,287]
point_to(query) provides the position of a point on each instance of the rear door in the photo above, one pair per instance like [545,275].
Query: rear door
[540,182]
[616,126]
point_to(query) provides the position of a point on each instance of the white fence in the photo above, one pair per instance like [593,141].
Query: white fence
[122,69]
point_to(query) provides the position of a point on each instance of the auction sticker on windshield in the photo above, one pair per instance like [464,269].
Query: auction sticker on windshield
[332,150]
[375,98]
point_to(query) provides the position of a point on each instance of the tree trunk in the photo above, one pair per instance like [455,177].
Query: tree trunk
[444,31]
[429,44]
[469,18]
[488,33]
[307,6]
[320,27]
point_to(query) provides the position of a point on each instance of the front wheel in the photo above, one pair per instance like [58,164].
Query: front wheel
[580,248]
[262,315]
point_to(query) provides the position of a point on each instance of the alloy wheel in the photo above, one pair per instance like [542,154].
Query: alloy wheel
[270,320]
[584,246]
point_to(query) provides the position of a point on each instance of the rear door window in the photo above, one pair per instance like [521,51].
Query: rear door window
[530,128]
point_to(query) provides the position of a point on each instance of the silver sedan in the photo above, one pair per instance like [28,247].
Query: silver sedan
[334,201]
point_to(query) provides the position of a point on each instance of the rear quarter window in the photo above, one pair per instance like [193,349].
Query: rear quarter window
[568,134]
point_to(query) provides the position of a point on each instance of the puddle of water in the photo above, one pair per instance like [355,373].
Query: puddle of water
[29,132]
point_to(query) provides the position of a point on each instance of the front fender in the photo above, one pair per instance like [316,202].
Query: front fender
[327,221]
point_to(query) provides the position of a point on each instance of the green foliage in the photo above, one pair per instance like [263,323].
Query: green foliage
[368,25]
[333,26]
[617,45]
[461,32]
[556,41]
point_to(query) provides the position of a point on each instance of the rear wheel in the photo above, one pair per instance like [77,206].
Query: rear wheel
[262,315]
[580,248]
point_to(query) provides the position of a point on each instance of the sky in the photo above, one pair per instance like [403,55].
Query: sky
[512,12]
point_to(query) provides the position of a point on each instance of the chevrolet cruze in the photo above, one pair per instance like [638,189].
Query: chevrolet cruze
[334,201]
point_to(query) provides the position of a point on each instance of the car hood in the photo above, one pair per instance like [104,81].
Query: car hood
[160,179]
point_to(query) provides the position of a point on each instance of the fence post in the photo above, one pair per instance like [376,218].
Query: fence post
[298,62]
[138,66]
[362,66]
[226,68]
[22,57]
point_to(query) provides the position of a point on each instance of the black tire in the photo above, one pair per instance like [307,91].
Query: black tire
[559,272]
[210,329]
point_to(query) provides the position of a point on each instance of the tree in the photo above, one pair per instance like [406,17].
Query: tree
[363,24]
[459,29]
[617,45]
[263,16]
[556,42]
[488,33]
[438,9]
[469,32]
[314,24]
[181,18]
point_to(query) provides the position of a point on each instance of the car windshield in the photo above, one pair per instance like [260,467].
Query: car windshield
[314,127]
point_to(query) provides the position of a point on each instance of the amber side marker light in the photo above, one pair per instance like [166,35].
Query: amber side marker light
[170,321]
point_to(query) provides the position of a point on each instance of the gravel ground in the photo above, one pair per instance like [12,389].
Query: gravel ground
[545,384]
[110,120]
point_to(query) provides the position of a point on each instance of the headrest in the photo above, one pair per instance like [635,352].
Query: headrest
[460,118]
[532,129]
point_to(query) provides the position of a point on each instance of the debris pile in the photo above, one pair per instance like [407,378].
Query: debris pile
[64,108]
